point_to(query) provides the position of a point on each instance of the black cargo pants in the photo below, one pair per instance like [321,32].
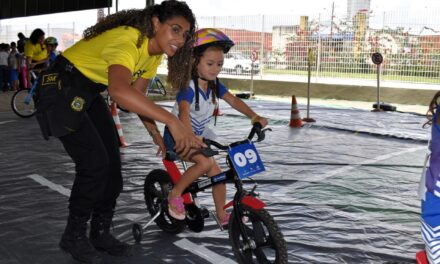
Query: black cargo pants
[70,107]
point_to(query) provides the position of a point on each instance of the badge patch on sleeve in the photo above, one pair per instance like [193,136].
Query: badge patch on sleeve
[49,79]
[77,104]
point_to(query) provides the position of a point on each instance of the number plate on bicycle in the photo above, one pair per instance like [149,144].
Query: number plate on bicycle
[246,160]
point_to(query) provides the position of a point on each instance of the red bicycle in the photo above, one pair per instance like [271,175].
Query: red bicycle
[253,233]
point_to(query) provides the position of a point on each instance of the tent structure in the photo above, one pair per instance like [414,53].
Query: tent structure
[24,8]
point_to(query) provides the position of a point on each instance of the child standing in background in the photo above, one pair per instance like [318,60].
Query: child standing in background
[430,220]
[14,61]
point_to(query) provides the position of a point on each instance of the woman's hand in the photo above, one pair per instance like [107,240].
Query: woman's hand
[184,138]
[158,140]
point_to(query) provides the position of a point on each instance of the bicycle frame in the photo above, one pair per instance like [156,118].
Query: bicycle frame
[253,233]
[33,89]
[201,185]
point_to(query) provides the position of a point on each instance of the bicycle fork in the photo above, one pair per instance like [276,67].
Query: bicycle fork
[242,198]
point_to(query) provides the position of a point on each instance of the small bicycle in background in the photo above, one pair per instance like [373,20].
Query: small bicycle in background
[253,233]
[156,87]
[23,101]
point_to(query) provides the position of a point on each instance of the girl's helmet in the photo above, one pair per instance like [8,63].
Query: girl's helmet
[207,37]
[51,41]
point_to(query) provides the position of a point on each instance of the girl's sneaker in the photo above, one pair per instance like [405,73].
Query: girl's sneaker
[176,208]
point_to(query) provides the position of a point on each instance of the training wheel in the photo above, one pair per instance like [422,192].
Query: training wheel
[137,232]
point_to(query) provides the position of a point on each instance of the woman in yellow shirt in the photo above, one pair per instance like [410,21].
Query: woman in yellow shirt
[35,52]
[120,53]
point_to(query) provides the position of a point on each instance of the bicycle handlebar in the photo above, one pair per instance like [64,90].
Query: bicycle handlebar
[256,130]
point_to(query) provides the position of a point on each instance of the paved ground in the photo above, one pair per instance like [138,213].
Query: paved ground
[342,189]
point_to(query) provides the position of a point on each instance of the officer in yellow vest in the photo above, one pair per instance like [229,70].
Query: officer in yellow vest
[120,53]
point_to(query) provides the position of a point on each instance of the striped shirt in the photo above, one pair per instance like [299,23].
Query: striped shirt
[199,119]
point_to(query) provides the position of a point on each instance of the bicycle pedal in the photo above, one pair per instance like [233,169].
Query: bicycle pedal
[220,225]
[204,212]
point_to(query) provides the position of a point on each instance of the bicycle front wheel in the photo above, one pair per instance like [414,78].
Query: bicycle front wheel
[23,104]
[266,243]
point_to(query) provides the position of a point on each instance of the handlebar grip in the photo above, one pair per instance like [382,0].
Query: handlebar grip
[256,128]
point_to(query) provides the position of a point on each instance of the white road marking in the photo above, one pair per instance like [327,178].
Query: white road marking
[281,193]
[203,252]
[53,186]
[5,122]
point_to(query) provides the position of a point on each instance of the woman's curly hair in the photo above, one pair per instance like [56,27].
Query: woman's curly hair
[179,67]
[431,110]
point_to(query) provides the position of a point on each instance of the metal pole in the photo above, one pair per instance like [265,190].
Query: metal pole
[252,80]
[308,89]
[378,88]
[310,59]
[262,46]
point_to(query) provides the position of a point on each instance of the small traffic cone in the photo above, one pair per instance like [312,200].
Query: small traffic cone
[295,118]
[115,116]
[421,257]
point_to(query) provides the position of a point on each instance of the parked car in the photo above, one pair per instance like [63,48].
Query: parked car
[237,63]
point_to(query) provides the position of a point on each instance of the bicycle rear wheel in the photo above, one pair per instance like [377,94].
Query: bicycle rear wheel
[267,244]
[156,187]
[23,104]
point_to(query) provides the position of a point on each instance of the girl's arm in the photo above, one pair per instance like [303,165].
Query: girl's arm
[184,114]
[120,89]
[243,108]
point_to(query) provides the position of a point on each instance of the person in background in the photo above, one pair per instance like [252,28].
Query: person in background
[120,53]
[430,183]
[51,45]
[4,67]
[195,107]
[20,42]
[36,53]
[14,62]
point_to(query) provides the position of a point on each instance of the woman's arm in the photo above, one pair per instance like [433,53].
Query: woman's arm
[243,108]
[121,90]
[28,71]
[141,85]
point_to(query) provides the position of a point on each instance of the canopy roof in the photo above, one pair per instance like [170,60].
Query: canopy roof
[24,8]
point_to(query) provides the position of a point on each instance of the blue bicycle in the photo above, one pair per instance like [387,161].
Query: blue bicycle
[23,101]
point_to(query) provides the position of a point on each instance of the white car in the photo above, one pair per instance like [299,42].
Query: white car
[237,63]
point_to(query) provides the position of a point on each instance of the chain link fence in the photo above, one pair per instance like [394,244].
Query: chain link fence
[341,43]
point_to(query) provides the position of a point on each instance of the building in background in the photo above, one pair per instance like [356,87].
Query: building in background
[354,7]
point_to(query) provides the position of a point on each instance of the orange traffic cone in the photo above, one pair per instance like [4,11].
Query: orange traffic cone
[295,118]
[115,115]
[421,257]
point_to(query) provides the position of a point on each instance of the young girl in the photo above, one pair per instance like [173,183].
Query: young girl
[195,107]
[120,53]
[431,201]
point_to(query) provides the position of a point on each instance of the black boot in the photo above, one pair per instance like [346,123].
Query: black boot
[75,241]
[102,239]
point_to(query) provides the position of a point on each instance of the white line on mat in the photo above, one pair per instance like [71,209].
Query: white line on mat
[45,182]
[202,252]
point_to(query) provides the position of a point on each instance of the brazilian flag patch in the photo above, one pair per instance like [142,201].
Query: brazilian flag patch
[77,104]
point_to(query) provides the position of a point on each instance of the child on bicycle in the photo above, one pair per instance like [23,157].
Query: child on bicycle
[195,106]
[430,220]
[51,45]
